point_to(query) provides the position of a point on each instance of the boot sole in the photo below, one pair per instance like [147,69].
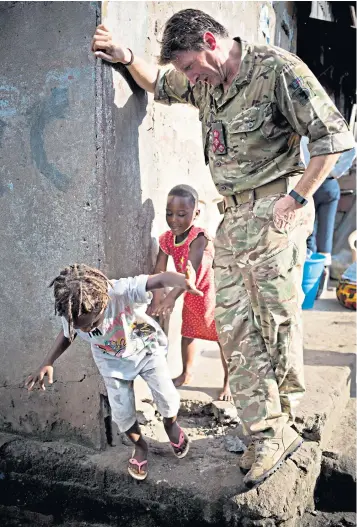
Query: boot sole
[288,452]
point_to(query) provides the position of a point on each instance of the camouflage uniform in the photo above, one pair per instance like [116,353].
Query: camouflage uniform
[251,137]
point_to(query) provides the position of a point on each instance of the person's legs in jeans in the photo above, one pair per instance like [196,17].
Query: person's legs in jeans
[326,202]
[327,198]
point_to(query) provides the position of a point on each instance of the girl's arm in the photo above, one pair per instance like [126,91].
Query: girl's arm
[157,296]
[161,262]
[195,256]
[46,368]
[172,279]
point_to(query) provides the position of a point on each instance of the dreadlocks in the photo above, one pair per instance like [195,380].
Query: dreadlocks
[79,289]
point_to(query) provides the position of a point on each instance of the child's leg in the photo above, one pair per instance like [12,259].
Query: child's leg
[122,403]
[188,349]
[141,448]
[225,394]
[167,401]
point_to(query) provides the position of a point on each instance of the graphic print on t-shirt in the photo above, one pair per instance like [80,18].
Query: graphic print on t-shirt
[141,334]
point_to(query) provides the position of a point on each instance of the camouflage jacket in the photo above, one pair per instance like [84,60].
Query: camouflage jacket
[251,134]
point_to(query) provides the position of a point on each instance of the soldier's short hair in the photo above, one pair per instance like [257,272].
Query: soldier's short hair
[184,32]
[185,191]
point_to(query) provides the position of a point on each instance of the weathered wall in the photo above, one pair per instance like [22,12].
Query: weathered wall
[50,208]
[86,162]
[285,25]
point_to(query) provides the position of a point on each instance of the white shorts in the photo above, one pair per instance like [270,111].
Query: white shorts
[122,399]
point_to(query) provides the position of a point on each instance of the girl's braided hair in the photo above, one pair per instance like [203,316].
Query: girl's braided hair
[79,289]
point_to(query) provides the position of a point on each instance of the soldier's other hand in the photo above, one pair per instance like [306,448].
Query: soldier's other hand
[284,212]
[104,47]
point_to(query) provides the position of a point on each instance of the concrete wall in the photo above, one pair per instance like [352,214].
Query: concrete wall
[50,212]
[86,162]
[286,25]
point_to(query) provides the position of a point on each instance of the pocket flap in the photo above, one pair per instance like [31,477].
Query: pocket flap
[277,265]
[249,120]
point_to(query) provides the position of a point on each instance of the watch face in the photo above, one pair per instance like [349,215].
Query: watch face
[298,198]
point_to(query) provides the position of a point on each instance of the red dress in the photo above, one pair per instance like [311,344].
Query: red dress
[198,312]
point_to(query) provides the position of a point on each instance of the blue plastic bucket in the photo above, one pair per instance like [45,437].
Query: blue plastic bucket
[313,269]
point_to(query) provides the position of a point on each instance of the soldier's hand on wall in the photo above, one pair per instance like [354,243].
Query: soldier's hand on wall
[105,48]
[39,377]
[284,212]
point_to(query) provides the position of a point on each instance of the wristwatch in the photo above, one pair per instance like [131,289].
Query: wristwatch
[300,199]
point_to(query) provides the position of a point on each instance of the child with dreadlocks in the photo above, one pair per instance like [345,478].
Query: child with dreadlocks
[185,241]
[125,343]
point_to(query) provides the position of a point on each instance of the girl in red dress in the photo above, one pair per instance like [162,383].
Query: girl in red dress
[184,241]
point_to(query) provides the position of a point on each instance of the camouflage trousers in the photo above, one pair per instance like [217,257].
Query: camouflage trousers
[258,275]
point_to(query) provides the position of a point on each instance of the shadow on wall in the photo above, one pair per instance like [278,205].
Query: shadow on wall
[127,222]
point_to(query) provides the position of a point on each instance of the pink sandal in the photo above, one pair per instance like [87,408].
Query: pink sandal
[182,453]
[140,475]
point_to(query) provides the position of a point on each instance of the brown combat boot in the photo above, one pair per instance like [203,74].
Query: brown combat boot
[269,455]
[247,459]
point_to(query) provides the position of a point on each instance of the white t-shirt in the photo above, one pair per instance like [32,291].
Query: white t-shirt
[127,337]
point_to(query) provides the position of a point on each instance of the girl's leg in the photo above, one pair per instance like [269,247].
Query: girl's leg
[188,349]
[122,403]
[167,400]
[177,436]
[140,453]
[225,394]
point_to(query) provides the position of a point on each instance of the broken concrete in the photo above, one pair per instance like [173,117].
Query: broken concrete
[224,412]
[336,488]
[323,519]
[327,393]
[205,487]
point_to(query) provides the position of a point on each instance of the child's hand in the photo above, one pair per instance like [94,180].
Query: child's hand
[165,308]
[190,281]
[38,376]
[151,309]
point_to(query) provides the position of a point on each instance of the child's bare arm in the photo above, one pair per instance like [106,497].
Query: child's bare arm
[161,262]
[46,368]
[195,256]
[158,296]
[197,248]
[172,279]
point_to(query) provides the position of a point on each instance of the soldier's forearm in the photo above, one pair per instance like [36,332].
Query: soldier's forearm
[315,174]
[144,73]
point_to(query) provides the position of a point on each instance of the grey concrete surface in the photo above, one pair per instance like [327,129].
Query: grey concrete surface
[50,210]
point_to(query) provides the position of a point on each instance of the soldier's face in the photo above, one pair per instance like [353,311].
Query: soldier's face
[200,66]
[180,214]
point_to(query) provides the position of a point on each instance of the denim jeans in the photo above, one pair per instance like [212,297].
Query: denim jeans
[326,201]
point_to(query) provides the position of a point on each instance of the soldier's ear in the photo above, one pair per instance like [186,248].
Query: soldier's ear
[210,40]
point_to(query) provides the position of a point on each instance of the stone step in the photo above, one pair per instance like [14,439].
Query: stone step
[328,388]
[205,488]
[336,488]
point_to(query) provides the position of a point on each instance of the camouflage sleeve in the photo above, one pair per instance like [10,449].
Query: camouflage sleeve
[310,111]
[174,87]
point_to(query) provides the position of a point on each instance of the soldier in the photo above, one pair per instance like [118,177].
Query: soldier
[254,103]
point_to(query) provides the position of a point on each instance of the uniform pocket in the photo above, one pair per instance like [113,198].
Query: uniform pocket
[246,137]
[295,221]
[249,120]
[278,282]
